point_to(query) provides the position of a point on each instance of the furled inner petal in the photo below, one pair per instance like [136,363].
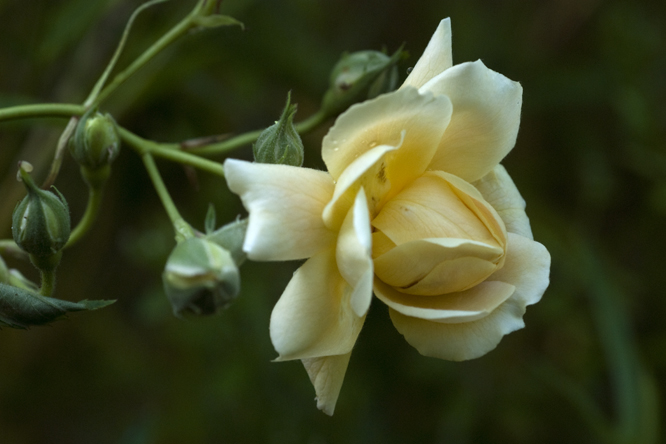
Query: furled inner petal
[436,58]
[485,120]
[381,121]
[498,190]
[314,317]
[353,254]
[431,208]
[285,205]
[437,266]
[464,306]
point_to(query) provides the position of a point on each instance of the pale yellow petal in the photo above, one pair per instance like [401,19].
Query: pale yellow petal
[313,317]
[499,191]
[368,171]
[474,200]
[326,374]
[436,58]
[526,268]
[353,254]
[485,119]
[420,118]
[454,308]
[437,266]
[431,208]
[285,205]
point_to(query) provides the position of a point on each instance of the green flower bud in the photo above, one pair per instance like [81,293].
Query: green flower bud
[359,76]
[280,143]
[200,277]
[40,223]
[96,142]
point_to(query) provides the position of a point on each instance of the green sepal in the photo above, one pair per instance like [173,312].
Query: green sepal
[231,237]
[209,224]
[20,308]
[215,21]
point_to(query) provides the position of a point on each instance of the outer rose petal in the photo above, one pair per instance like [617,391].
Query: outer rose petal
[459,308]
[382,121]
[500,192]
[285,205]
[485,120]
[353,254]
[527,268]
[313,317]
[436,58]
[326,375]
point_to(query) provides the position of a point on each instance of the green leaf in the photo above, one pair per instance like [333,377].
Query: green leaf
[216,20]
[21,308]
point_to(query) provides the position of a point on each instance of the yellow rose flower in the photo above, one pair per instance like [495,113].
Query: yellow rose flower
[414,207]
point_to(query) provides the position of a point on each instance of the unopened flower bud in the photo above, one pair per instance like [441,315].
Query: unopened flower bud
[96,142]
[359,76]
[40,223]
[200,277]
[280,143]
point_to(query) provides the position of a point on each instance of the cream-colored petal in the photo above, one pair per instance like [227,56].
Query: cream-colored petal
[454,308]
[526,268]
[420,118]
[368,171]
[499,191]
[430,207]
[436,266]
[326,374]
[436,58]
[474,200]
[313,317]
[353,254]
[285,205]
[484,125]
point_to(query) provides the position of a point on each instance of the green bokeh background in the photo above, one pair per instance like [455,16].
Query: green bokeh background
[590,161]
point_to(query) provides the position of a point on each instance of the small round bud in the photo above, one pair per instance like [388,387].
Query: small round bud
[359,76]
[200,277]
[231,238]
[280,143]
[40,223]
[96,142]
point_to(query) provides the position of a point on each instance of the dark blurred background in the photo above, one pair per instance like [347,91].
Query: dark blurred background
[590,161]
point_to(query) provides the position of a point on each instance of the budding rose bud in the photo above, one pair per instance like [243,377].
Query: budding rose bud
[40,223]
[280,143]
[359,76]
[200,277]
[96,142]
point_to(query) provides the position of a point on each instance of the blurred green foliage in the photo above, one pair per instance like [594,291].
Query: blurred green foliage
[590,161]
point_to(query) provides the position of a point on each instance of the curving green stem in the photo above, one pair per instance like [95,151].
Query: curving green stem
[86,222]
[48,282]
[172,35]
[303,127]
[183,229]
[40,110]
